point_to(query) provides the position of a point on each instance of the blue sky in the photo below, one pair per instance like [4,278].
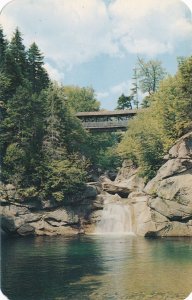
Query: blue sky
[96,42]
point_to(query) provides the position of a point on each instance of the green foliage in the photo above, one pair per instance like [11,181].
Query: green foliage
[3,46]
[15,61]
[143,143]
[124,102]
[40,139]
[37,75]
[100,149]
[153,131]
[63,129]
[81,99]
[45,151]
[4,87]
[64,176]
[14,161]
[150,74]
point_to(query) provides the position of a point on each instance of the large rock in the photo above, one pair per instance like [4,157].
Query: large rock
[171,189]
[183,147]
[112,187]
[170,192]
[26,229]
[127,181]
[47,218]
[144,219]
[171,209]
[164,206]
[8,224]
[61,217]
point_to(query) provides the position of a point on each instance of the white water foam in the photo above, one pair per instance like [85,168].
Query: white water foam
[116,219]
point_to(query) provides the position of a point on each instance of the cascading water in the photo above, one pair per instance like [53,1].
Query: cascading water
[115,219]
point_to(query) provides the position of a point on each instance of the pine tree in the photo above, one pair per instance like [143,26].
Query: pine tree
[17,49]
[22,131]
[64,170]
[36,73]
[15,63]
[3,46]
[124,102]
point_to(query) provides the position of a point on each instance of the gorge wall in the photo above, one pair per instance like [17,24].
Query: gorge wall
[161,208]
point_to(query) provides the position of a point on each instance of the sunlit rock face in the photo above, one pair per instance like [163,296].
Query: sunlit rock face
[20,217]
[164,206]
[127,181]
[169,194]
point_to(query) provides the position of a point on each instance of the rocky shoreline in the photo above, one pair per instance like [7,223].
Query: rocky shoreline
[161,208]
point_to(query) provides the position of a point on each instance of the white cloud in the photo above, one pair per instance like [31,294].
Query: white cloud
[54,73]
[142,46]
[69,32]
[102,95]
[149,27]
[121,88]
[109,98]
[76,31]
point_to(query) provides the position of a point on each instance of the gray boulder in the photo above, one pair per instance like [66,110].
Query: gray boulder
[26,229]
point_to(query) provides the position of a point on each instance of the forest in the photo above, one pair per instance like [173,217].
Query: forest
[45,151]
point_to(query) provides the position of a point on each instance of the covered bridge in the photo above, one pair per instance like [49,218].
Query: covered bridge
[105,120]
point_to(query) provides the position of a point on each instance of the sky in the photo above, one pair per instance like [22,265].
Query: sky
[96,42]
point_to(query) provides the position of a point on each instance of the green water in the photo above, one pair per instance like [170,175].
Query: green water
[96,268]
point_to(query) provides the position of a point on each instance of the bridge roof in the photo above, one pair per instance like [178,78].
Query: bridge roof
[108,113]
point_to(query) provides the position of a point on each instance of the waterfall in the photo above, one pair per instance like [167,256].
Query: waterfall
[115,219]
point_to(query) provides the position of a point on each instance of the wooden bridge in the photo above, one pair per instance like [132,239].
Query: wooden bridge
[104,120]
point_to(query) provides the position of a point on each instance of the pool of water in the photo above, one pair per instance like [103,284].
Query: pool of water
[96,268]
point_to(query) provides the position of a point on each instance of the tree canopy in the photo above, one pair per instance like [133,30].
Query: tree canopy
[124,102]
[153,131]
[45,151]
[81,99]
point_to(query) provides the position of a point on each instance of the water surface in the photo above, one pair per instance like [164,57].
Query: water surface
[96,268]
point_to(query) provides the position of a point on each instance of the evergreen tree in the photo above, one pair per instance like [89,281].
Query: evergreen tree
[124,102]
[3,46]
[22,130]
[36,73]
[63,128]
[17,49]
[44,148]
[64,168]
[15,62]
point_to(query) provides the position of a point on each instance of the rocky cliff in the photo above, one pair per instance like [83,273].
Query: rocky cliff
[24,217]
[164,206]
[161,208]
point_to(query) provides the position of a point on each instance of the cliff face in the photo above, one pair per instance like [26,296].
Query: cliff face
[164,206]
[170,192]
[161,208]
[21,217]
